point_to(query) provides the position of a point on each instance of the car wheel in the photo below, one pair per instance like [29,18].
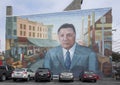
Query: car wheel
[3,78]
[93,80]
[14,79]
[59,80]
[72,80]
[82,79]
[28,79]
[36,80]
[49,79]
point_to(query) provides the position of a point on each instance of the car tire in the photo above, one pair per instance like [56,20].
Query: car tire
[49,79]
[14,79]
[28,78]
[3,78]
[59,80]
[36,80]
[72,80]
[94,80]
[82,80]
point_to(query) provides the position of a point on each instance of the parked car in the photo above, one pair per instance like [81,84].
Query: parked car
[66,76]
[5,72]
[88,76]
[43,74]
[117,73]
[22,73]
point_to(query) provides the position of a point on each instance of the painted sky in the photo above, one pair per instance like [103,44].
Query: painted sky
[75,17]
[28,7]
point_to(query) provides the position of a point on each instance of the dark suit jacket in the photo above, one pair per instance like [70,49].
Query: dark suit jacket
[83,59]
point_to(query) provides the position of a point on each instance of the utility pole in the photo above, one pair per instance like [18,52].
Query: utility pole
[103,21]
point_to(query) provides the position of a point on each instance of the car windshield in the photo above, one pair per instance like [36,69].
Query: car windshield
[19,69]
[43,70]
[87,72]
[2,67]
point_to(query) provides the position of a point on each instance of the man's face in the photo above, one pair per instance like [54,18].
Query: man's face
[67,37]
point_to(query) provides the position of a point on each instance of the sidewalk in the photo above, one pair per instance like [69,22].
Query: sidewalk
[107,78]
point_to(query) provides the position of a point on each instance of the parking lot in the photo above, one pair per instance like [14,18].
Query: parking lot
[105,81]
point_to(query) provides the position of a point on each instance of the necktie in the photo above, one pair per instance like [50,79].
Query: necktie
[67,60]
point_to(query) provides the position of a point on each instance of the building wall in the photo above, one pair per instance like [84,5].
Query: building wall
[75,4]
[107,30]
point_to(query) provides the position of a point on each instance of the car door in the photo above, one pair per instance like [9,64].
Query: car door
[30,72]
[9,70]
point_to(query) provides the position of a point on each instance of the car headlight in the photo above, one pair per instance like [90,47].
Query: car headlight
[71,76]
[61,76]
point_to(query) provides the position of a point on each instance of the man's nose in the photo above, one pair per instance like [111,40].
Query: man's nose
[65,38]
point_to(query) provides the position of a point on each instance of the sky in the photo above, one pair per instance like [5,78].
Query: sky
[28,7]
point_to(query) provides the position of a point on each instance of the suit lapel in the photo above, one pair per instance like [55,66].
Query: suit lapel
[76,57]
[60,56]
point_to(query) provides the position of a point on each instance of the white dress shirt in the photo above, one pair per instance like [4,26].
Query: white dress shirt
[71,50]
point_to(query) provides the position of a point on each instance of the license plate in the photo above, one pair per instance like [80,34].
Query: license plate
[90,76]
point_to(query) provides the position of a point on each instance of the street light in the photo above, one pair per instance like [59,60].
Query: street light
[103,21]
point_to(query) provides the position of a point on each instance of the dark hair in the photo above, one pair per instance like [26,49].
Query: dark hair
[66,25]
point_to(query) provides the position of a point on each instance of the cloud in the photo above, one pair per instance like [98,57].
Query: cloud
[38,6]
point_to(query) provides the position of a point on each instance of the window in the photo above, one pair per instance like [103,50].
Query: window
[24,26]
[9,32]
[29,33]
[33,28]
[29,27]
[14,32]
[33,34]
[20,26]
[21,33]
[40,28]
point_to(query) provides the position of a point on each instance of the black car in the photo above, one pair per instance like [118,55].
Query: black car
[117,73]
[43,74]
[5,72]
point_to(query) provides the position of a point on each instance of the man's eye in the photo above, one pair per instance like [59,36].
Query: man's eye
[62,35]
[69,35]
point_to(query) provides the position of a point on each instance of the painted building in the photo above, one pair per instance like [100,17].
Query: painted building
[27,34]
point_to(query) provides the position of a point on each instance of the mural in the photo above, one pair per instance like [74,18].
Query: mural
[29,37]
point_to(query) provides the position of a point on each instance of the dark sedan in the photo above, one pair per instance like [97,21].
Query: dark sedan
[43,74]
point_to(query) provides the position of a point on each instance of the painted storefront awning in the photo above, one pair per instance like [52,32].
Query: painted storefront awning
[43,42]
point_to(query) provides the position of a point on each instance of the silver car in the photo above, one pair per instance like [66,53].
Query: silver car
[22,73]
[66,76]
